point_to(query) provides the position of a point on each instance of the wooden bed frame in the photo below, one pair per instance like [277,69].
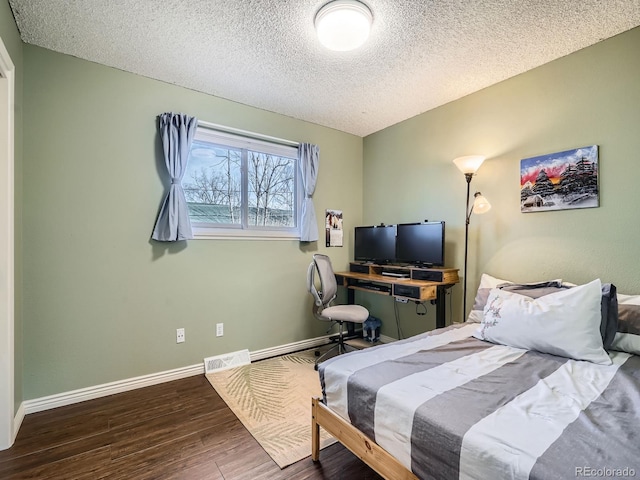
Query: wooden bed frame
[362,446]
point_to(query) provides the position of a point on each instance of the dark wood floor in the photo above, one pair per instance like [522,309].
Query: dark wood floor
[176,430]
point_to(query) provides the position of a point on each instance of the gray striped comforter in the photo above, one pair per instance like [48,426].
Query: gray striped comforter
[450,406]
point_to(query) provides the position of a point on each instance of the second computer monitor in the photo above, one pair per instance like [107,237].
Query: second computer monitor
[420,244]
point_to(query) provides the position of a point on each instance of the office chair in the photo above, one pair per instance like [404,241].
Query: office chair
[322,308]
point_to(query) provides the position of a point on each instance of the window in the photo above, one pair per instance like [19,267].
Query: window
[242,187]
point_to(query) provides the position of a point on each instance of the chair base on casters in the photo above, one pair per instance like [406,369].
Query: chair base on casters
[340,346]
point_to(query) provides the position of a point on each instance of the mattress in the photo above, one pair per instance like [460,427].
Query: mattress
[448,405]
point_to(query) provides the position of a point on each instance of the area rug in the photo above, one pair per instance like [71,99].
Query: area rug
[272,398]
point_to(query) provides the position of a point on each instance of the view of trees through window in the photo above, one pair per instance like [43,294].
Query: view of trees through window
[217,192]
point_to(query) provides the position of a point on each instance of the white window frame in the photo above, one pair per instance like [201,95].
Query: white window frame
[233,138]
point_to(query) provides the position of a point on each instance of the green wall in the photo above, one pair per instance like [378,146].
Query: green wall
[13,44]
[101,301]
[589,97]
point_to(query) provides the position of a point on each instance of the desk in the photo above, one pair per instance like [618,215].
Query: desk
[421,284]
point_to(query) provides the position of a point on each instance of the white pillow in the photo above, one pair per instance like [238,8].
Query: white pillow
[487,282]
[566,323]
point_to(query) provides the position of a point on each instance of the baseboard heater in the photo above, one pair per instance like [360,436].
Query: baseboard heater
[226,361]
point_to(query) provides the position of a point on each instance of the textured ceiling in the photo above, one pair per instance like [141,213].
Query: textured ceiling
[264,53]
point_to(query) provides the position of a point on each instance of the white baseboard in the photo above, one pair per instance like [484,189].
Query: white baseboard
[289,348]
[97,391]
[17,420]
[90,393]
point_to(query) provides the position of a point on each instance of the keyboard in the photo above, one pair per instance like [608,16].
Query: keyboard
[372,286]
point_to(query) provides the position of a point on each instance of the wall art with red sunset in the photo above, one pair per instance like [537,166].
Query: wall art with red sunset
[559,181]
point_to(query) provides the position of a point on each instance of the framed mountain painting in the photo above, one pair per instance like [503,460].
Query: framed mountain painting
[560,181]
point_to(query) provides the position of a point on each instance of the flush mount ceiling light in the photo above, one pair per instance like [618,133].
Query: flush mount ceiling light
[343,25]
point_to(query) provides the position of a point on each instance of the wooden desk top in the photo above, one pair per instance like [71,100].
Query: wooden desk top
[410,288]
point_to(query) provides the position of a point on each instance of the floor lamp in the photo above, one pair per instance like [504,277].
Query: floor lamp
[469,165]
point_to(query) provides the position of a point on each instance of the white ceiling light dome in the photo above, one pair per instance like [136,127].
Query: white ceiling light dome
[343,25]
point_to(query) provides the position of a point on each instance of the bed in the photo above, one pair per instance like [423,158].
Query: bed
[453,403]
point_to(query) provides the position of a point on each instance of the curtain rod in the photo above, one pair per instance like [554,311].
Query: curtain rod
[246,133]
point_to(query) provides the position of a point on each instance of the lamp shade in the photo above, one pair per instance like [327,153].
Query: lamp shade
[469,164]
[343,25]
[480,204]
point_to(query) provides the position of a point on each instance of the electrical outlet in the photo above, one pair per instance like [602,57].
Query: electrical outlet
[402,300]
[180,335]
[219,329]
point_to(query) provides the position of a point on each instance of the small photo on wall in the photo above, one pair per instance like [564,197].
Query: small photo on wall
[560,181]
[333,227]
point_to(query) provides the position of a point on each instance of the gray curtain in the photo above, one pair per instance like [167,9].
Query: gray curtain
[309,156]
[177,132]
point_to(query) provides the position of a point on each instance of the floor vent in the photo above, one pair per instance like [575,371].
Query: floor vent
[226,361]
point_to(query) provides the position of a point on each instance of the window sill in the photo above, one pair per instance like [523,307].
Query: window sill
[203,233]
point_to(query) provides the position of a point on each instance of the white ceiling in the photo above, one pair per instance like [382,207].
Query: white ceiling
[264,53]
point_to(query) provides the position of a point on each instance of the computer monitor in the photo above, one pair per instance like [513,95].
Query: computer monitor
[375,244]
[420,244]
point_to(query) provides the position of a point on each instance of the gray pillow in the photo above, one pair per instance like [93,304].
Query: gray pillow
[487,282]
[627,338]
[629,319]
